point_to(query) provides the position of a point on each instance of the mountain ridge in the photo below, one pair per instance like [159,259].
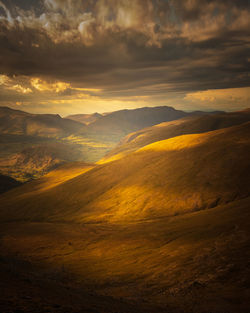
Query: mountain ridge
[45,125]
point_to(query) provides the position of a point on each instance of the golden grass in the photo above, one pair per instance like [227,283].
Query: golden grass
[110,159]
[177,143]
[184,126]
[62,174]
[169,224]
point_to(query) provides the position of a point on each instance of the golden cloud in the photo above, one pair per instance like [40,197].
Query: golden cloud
[11,84]
[42,85]
[20,89]
[230,98]
[4,79]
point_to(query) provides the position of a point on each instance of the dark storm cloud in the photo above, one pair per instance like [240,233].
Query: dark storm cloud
[194,9]
[127,46]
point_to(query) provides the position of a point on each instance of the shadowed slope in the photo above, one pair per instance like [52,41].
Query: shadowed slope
[37,160]
[173,176]
[191,263]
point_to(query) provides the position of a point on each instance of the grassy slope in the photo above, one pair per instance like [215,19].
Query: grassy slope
[174,176]
[188,125]
[167,224]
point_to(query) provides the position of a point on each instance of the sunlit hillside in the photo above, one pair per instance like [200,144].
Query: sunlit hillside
[188,125]
[165,227]
[169,177]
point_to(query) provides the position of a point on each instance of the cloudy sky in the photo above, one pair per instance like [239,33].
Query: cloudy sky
[82,56]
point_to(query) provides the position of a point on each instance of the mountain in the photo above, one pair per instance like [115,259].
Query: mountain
[85,118]
[7,183]
[126,121]
[164,228]
[44,125]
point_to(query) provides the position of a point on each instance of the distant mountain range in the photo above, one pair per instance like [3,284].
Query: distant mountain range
[119,123]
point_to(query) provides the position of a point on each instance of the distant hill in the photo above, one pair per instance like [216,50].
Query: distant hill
[84,118]
[7,183]
[43,125]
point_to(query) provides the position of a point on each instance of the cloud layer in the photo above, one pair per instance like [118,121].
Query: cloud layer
[154,49]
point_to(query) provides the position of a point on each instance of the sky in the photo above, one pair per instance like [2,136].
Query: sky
[84,56]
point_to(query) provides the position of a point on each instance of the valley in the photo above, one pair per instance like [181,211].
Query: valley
[31,145]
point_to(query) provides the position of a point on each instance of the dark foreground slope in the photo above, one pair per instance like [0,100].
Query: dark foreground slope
[163,229]
[197,262]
